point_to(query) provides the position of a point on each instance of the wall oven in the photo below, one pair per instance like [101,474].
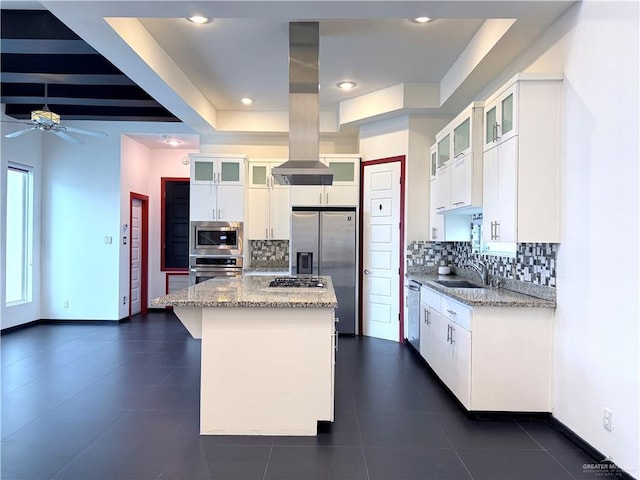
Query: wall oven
[203,268]
[215,238]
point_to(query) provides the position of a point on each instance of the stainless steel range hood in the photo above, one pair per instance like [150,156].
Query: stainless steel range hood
[303,166]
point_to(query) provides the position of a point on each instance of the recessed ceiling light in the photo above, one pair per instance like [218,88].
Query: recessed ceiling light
[246,100]
[422,19]
[199,19]
[346,85]
[174,142]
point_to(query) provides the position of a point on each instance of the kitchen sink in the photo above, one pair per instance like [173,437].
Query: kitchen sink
[457,284]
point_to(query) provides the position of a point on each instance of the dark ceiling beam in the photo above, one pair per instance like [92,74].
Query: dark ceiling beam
[46,46]
[96,102]
[84,112]
[38,63]
[34,24]
[75,79]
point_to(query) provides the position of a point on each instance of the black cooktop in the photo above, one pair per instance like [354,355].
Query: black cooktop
[297,282]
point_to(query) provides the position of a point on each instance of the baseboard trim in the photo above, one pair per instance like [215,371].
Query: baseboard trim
[50,321]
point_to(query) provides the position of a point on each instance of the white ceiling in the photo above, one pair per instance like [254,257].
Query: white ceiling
[200,72]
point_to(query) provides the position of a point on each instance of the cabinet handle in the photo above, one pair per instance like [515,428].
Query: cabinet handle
[453,337]
[427,316]
[452,312]
[434,233]
[266,233]
[213,214]
[320,199]
[497,230]
[326,198]
[272,233]
[448,333]
[440,208]
[458,155]
[457,203]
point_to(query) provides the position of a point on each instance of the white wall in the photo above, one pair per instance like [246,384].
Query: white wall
[596,44]
[25,150]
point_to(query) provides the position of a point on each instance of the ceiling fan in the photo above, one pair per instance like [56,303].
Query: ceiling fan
[45,120]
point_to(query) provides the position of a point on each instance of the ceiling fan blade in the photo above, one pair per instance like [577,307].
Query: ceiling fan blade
[19,132]
[84,131]
[67,137]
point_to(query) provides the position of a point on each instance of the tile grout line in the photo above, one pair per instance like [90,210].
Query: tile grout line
[266,467]
[455,450]
[546,451]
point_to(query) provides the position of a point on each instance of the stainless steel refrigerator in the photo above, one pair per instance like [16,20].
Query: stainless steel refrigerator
[323,242]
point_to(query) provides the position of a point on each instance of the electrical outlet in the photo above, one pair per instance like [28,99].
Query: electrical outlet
[124,300]
[607,419]
[66,304]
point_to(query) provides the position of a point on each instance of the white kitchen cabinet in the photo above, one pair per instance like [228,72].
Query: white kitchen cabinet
[459,149]
[500,199]
[521,165]
[501,116]
[268,203]
[217,187]
[217,169]
[450,228]
[483,353]
[215,202]
[345,190]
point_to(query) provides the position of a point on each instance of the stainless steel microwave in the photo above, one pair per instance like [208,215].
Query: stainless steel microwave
[216,238]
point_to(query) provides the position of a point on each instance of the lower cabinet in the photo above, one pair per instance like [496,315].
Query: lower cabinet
[491,358]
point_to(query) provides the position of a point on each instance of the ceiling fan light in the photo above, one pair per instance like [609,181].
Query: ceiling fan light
[45,116]
[174,142]
[422,19]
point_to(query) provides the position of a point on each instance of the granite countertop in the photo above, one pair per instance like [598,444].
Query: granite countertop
[487,297]
[249,291]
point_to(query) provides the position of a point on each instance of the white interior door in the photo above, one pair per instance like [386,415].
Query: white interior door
[381,251]
[136,255]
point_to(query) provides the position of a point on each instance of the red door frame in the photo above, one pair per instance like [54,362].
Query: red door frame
[402,160]
[144,250]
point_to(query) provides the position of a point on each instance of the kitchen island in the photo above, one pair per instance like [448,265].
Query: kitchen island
[268,354]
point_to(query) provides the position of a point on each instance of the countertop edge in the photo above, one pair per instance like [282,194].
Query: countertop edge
[501,296]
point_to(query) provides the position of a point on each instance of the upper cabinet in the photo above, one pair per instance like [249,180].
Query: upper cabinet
[459,148]
[268,203]
[217,169]
[501,116]
[521,161]
[345,190]
[217,187]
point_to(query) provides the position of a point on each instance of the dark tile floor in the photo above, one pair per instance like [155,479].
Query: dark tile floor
[121,402]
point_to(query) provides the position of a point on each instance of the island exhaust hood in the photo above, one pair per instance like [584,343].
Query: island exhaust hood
[303,166]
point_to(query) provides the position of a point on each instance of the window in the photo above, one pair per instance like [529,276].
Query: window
[19,234]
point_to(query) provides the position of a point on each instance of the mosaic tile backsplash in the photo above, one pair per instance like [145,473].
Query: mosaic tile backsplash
[534,262]
[268,253]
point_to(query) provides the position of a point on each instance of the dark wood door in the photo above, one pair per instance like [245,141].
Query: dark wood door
[175,254]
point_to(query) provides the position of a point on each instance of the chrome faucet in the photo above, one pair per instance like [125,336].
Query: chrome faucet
[481,269]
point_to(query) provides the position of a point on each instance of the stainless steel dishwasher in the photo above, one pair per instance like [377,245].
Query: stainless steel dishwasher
[413,312]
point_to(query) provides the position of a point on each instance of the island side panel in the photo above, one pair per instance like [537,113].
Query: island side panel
[191,318]
[266,371]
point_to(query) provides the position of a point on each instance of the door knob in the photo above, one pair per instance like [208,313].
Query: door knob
[366,272]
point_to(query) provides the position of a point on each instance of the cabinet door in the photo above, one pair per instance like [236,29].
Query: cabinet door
[341,195]
[203,171]
[438,346]
[230,203]
[462,138]
[507,190]
[346,171]
[444,151]
[279,214]
[462,181]
[459,363]
[259,175]
[508,115]
[490,212]
[441,192]
[230,171]
[434,161]
[257,224]
[202,202]
[306,195]
[426,338]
